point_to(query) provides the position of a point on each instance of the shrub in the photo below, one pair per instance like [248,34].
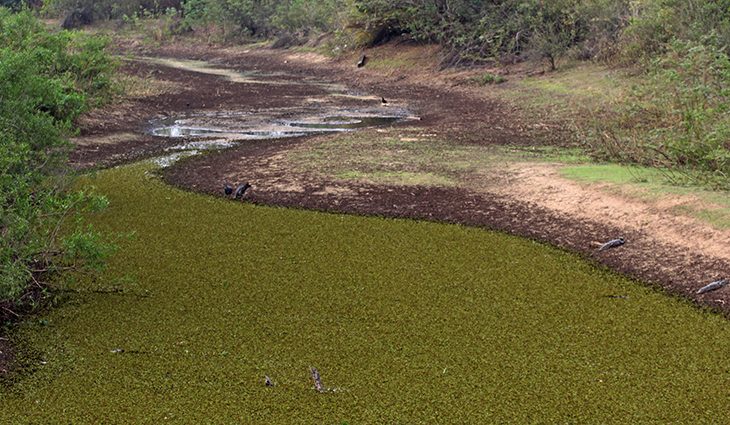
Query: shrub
[488,78]
[655,23]
[679,118]
[109,9]
[264,18]
[46,81]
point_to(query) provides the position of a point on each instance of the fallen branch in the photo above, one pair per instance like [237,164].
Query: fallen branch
[11,312]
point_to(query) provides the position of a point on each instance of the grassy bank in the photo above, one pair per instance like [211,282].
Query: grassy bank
[409,322]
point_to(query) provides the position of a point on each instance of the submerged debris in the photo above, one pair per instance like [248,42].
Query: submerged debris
[612,244]
[317,379]
[268,381]
[713,286]
[241,190]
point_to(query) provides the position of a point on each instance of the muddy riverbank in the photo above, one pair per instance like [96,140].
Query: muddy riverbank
[452,118]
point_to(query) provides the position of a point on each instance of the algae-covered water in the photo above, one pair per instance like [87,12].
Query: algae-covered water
[407,322]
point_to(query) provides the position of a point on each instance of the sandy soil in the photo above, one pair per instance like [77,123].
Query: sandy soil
[542,184]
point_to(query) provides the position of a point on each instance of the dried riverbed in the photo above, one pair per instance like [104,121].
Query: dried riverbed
[407,321]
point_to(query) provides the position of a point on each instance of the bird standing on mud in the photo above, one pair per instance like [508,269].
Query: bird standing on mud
[713,286]
[241,190]
[612,244]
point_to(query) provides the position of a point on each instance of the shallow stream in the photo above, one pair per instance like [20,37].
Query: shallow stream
[225,128]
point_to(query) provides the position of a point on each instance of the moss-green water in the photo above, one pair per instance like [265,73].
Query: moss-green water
[411,322]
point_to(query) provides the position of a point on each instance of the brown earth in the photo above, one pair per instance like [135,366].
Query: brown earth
[522,202]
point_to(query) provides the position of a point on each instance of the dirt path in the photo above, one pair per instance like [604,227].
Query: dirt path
[678,254]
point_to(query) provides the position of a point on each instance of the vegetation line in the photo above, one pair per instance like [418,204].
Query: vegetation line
[46,80]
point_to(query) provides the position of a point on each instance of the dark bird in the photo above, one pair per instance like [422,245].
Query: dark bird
[241,190]
[227,189]
[268,381]
[612,244]
[317,379]
[363,60]
[713,286]
[383,101]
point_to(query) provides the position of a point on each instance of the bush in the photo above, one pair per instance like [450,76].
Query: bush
[109,9]
[488,78]
[12,4]
[477,31]
[46,81]
[679,118]
[654,24]
[264,18]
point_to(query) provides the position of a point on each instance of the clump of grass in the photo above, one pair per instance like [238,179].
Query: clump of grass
[544,153]
[410,322]
[488,78]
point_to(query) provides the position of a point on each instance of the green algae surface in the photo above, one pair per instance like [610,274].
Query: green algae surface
[407,322]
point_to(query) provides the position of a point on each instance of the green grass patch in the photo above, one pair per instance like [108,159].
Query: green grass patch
[544,154]
[584,81]
[324,50]
[614,173]
[398,60]
[575,93]
[712,207]
[408,158]
[411,322]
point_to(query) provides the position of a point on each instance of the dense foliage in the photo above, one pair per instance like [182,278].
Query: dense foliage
[264,18]
[110,9]
[677,119]
[471,30]
[478,30]
[46,81]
